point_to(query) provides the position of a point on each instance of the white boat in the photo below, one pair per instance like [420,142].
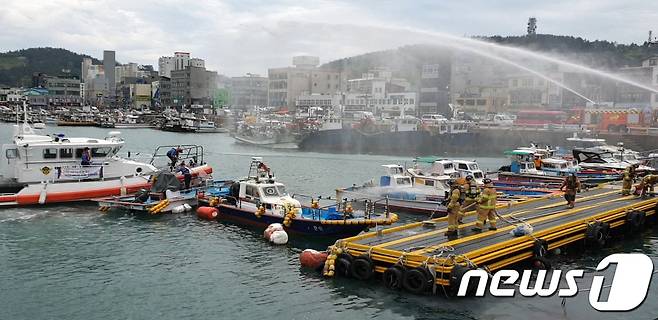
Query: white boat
[401,192]
[40,169]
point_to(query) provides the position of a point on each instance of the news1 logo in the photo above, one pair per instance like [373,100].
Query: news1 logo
[628,289]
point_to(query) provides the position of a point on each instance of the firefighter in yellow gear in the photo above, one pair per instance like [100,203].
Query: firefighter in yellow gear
[454,208]
[646,185]
[472,192]
[627,182]
[486,207]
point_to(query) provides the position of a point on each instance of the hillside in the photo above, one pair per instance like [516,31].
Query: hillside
[17,67]
[407,61]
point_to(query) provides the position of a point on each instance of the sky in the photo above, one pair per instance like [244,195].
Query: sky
[236,37]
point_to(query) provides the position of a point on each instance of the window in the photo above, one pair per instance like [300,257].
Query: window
[11,153]
[100,152]
[50,153]
[462,166]
[429,183]
[402,181]
[282,190]
[66,153]
[252,191]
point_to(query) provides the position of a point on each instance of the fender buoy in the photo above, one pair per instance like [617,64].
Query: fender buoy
[267,234]
[207,213]
[362,268]
[417,280]
[279,237]
[344,264]
[312,259]
[393,276]
[456,274]
[635,220]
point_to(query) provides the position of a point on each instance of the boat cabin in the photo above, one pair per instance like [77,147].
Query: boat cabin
[261,187]
[559,167]
[469,168]
[394,177]
[523,162]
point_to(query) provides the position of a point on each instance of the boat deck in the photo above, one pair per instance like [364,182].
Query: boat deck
[554,225]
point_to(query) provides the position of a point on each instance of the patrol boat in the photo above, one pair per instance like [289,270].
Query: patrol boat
[41,169]
[260,200]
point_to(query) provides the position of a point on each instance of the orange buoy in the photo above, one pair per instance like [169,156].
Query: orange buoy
[312,259]
[207,213]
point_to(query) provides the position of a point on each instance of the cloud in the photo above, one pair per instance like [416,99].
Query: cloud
[235,37]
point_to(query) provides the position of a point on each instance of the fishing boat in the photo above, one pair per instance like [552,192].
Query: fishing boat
[41,169]
[421,193]
[266,133]
[166,195]
[260,200]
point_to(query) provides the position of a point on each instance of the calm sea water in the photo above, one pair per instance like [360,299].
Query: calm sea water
[71,262]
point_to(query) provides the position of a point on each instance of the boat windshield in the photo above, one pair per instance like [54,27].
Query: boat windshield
[473,166]
[478,175]
[282,190]
[403,181]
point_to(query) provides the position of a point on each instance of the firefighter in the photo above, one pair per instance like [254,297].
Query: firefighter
[629,176]
[472,191]
[646,184]
[570,186]
[454,208]
[486,207]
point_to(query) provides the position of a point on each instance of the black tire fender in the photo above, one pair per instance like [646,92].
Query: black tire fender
[344,265]
[362,268]
[540,248]
[417,280]
[456,274]
[393,276]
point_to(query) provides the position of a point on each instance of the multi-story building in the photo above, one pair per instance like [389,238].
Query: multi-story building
[10,96]
[477,84]
[179,61]
[316,100]
[163,96]
[434,88]
[633,97]
[390,104]
[165,66]
[286,84]
[193,85]
[248,91]
[109,63]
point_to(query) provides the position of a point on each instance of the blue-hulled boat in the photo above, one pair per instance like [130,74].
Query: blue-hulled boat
[260,200]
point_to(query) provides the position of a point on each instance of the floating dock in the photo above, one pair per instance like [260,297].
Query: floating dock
[408,255]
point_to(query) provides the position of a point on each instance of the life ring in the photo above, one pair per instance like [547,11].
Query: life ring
[540,248]
[597,234]
[393,276]
[362,268]
[635,220]
[456,274]
[344,265]
[417,280]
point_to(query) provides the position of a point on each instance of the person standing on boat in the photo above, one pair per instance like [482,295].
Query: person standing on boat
[629,176]
[187,175]
[85,158]
[486,206]
[454,208]
[570,186]
[173,156]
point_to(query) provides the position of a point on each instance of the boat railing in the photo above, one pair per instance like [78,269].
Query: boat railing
[189,152]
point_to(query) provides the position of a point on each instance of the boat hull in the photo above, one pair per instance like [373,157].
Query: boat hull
[304,227]
[399,205]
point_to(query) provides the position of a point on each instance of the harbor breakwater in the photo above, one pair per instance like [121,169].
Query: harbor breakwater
[478,142]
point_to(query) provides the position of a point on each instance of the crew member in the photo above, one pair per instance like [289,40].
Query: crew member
[187,175]
[173,155]
[629,176]
[454,208]
[486,206]
[471,190]
[646,184]
[85,158]
[570,186]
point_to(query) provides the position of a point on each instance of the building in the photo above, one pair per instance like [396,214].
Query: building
[63,90]
[479,85]
[163,94]
[248,91]
[316,100]
[179,61]
[633,97]
[390,104]
[434,88]
[376,82]
[288,83]
[10,96]
[109,64]
[193,85]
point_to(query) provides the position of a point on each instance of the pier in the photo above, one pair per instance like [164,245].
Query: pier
[423,249]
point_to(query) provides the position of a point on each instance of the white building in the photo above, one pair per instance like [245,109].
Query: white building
[394,104]
[179,61]
[165,66]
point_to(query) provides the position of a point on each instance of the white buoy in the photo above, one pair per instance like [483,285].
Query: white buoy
[279,237]
[187,207]
[267,234]
[178,209]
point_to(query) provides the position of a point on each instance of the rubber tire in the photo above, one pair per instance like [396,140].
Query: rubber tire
[362,268]
[635,220]
[540,248]
[417,280]
[343,265]
[456,275]
[393,277]
[597,234]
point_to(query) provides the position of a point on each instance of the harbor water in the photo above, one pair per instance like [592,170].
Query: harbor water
[70,261]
